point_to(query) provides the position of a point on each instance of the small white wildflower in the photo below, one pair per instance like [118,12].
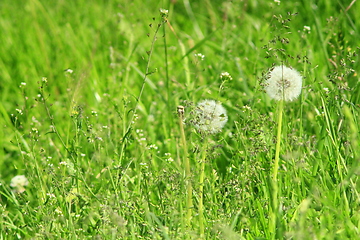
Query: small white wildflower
[164,11]
[19,111]
[50,195]
[210,116]
[144,165]
[99,139]
[247,107]
[135,117]
[18,183]
[277,1]
[170,159]
[307,28]
[283,83]
[69,70]
[152,146]
[199,55]
[82,154]
[22,84]
[44,79]
[59,212]
[225,76]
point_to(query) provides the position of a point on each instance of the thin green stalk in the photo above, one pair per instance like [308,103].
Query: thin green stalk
[189,204]
[167,69]
[147,72]
[274,182]
[201,191]
[51,118]
[138,99]
[189,84]
[278,140]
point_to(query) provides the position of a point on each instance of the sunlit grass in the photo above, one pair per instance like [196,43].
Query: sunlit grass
[89,115]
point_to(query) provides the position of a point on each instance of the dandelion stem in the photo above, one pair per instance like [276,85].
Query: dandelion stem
[278,140]
[201,191]
[186,166]
[275,184]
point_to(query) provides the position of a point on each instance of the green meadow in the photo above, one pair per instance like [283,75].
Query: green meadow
[98,101]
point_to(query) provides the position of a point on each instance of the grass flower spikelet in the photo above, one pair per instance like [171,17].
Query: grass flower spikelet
[210,116]
[283,83]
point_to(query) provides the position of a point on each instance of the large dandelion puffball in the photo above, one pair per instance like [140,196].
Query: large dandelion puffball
[283,83]
[210,116]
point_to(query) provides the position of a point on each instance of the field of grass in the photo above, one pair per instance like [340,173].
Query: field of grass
[89,115]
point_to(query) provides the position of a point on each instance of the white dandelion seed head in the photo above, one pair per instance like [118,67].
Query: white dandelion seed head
[283,83]
[18,183]
[210,116]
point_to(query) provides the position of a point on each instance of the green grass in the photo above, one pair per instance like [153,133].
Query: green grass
[102,146]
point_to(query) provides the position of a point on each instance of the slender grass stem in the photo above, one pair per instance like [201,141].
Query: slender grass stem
[167,70]
[138,99]
[147,72]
